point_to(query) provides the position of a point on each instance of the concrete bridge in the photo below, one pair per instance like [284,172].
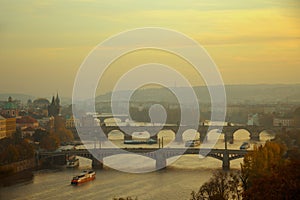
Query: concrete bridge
[159,155]
[153,130]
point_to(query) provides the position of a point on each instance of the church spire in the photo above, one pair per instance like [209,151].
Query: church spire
[57,100]
[54,107]
[53,101]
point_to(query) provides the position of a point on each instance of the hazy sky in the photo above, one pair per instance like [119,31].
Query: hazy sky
[43,43]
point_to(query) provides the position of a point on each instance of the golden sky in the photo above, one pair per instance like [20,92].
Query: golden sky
[43,43]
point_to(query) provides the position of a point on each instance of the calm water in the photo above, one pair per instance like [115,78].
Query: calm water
[187,173]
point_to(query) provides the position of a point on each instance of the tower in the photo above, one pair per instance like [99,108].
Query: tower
[54,107]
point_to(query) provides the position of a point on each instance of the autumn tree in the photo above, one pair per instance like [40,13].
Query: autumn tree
[50,142]
[290,139]
[268,173]
[222,186]
[60,130]
[39,134]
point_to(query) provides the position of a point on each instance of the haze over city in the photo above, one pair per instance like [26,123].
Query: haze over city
[169,99]
[44,43]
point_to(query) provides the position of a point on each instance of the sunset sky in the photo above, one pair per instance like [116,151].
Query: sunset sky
[43,43]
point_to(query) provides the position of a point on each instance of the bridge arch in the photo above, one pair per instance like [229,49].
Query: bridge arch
[167,134]
[267,134]
[112,120]
[115,135]
[190,134]
[141,135]
[213,134]
[242,133]
[123,162]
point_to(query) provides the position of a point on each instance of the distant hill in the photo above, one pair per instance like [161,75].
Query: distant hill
[235,94]
[23,97]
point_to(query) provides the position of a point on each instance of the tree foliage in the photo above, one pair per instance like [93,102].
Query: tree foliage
[268,173]
[50,142]
[60,130]
[52,139]
[39,134]
[11,151]
[290,139]
[222,186]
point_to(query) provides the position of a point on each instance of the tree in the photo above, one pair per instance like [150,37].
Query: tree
[290,138]
[50,142]
[221,186]
[25,149]
[12,154]
[60,130]
[269,173]
[17,136]
[39,134]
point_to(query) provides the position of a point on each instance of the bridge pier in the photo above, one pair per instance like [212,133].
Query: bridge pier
[254,136]
[178,138]
[226,161]
[127,137]
[96,164]
[161,162]
[202,137]
[154,137]
[229,138]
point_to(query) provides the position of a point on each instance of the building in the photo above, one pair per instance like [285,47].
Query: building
[54,107]
[7,127]
[10,109]
[46,123]
[89,121]
[11,126]
[39,106]
[253,120]
[2,127]
[27,121]
[72,122]
[28,132]
[286,122]
[296,116]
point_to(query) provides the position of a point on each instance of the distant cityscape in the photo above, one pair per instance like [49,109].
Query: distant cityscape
[39,113]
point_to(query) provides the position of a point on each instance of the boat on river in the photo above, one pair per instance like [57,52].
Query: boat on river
[85,176]
[149,141]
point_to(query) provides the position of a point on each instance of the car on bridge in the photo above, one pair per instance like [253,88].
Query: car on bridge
[245,145]
[192,143]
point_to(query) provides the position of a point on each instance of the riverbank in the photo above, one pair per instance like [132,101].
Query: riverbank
[15,178]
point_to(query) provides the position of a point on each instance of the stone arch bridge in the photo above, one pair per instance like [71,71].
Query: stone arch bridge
[254,131]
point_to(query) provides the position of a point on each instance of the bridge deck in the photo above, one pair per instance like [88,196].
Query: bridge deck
[146,150]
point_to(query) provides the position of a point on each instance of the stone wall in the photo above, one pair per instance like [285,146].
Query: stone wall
[19,166]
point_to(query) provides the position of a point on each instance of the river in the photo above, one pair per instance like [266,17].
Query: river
[187,173]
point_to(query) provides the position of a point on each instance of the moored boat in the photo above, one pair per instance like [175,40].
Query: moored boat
[85,176]
[72,161]
[149,141]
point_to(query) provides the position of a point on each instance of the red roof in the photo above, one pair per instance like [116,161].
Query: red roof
[26,120]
